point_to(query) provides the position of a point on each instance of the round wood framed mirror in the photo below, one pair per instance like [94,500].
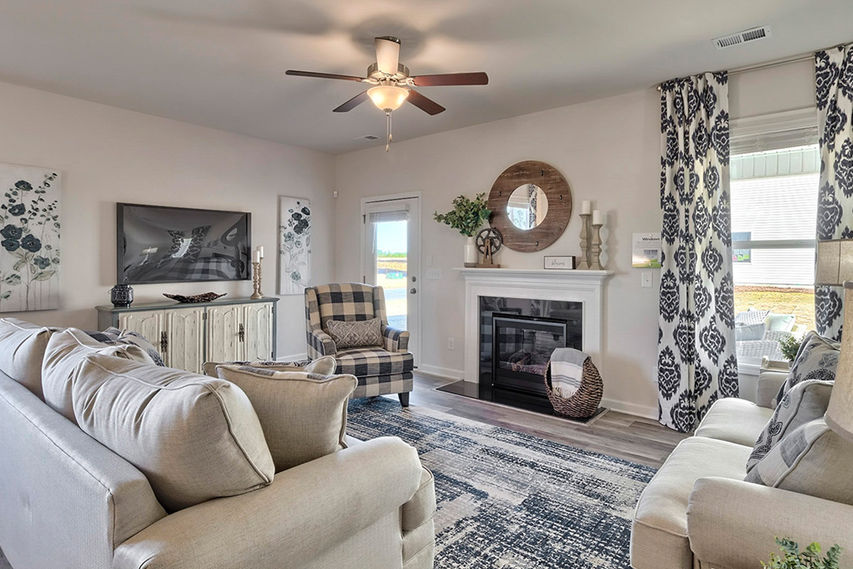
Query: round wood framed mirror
[531,204]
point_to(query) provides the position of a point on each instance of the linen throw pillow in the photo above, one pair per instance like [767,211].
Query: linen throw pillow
[356,334]
[22,347]
[817,358]
[303,415]
[113,336]
[194,437]
[813,460]
[321,366]
[805,402]
[64,354]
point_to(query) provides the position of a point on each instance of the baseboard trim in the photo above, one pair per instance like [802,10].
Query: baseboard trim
[293,357]
[441,371]
[644,411]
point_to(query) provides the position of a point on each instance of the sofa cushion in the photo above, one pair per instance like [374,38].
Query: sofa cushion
[355,334]
[65,352]
[734,420]
[812,459]
[373,361]
[321,366]
[805,402]
[22,347]
[303,415]
[817,358]
[194,437]
[659,532]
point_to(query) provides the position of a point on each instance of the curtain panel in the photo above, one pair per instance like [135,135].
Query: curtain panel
[834,99]
[697,360]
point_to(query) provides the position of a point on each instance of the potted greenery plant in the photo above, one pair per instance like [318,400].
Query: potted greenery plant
[467,216]
[810,558]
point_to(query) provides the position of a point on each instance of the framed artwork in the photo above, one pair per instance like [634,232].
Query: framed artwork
[294,245]
[30,229]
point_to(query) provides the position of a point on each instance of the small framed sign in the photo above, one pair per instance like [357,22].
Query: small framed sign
[559,262]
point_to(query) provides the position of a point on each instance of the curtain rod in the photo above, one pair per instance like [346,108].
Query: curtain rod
[768,64]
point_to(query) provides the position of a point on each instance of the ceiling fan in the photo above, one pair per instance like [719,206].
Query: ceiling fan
[392,85]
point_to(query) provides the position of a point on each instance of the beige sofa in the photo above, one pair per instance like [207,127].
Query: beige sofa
[698,512]
[67,502]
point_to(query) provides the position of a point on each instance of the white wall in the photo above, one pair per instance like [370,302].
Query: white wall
[608,150]
[107,155]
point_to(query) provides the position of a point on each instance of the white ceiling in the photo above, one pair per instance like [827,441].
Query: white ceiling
[220,63]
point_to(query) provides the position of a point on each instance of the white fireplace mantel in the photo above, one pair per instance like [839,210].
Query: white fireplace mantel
[586,287]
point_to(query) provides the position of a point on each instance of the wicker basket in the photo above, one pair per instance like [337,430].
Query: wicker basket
[584,403]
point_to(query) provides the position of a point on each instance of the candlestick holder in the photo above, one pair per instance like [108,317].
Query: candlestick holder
[595,251]
[583,263]
[256,280]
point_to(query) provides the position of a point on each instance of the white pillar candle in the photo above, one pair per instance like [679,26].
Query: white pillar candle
[257,256]
[586,206]
[597,218]
[261,251]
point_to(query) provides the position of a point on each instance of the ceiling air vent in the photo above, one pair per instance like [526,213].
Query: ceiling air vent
[746,36]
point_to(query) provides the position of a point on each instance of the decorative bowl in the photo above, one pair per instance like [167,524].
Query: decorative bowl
[196,298]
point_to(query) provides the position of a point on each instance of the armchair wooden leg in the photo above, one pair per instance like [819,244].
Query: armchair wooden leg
[404,399]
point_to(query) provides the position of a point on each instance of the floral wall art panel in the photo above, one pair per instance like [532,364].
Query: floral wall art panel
[294,245]
[29,256]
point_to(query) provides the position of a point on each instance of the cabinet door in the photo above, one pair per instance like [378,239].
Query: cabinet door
[150,324]
[258,318]
[224,327]
[186,338]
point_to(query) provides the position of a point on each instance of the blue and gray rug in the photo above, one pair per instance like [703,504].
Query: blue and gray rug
[509,500]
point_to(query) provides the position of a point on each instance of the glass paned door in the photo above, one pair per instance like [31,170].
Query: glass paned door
[391,254]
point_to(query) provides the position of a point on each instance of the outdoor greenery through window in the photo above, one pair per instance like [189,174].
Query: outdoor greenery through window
[774,209]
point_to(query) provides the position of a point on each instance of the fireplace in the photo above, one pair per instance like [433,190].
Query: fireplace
[537,311]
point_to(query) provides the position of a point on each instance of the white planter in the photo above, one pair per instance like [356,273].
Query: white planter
[471,253]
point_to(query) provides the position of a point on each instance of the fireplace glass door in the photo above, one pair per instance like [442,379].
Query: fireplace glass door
[521,348]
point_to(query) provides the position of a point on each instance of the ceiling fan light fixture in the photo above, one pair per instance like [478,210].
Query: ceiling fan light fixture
[388,97]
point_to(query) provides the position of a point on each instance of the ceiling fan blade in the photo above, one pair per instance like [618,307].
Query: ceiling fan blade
[425,104]
[323,75]
[387,54]
[478,78]
[352,103]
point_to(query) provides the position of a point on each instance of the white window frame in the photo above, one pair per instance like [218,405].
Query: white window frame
[768,132]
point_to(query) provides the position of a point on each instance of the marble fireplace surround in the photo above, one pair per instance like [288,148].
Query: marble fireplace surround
[586,287]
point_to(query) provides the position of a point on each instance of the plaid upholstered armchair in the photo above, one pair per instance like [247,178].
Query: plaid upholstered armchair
[380,369]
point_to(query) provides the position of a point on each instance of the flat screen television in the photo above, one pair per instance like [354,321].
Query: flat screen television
[158,244]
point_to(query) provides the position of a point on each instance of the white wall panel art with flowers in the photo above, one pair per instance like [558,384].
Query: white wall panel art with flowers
[29,235]
[294,245]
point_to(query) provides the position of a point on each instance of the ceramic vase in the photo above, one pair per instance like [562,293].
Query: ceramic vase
[121,295]
[471,255]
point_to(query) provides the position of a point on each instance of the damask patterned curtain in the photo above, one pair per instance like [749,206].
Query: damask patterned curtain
[834,82]
[696,348]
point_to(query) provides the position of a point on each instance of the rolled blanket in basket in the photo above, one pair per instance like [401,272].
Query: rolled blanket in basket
[567,371]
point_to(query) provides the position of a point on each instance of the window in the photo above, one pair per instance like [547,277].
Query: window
[773,212]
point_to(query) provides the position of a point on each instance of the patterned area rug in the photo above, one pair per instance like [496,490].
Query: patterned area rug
[512,500]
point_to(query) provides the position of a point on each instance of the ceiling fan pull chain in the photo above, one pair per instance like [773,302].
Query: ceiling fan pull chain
[388,131]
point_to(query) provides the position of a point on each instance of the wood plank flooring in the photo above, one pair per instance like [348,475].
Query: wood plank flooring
[617,434]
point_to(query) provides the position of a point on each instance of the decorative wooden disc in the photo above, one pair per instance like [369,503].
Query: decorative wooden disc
[559,196]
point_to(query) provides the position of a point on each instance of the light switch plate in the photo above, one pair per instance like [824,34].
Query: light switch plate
[646,279]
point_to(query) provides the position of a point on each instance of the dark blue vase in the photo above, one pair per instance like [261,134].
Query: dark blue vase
[121,295]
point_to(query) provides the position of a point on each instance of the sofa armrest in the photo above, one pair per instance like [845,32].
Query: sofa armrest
[320,344]
[305,511]
[395,340]
[734,524]
[769,382]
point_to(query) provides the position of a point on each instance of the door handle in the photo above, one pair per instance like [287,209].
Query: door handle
[413,290]
[164,342]
[241,332]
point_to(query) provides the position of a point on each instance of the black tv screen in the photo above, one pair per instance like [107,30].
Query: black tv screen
[173,244]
